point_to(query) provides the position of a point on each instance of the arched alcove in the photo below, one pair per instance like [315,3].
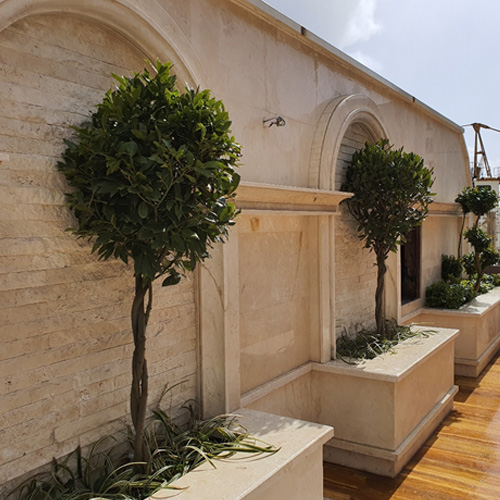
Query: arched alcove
[355,271]
[157,37]
[338,115]
[66,329]
[345,125]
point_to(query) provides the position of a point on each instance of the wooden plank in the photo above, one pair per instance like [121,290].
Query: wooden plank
[459,461]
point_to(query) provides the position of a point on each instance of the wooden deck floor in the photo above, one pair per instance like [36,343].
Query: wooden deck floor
[461,460]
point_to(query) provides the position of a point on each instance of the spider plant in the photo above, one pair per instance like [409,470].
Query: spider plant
[174,449]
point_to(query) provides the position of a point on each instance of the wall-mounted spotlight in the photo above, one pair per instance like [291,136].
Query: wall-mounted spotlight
[279,121]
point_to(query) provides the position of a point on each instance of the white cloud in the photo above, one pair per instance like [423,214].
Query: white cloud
[340,22]
[368,61]
[361,24]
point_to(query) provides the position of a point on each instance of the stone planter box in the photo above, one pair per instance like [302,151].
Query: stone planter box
[479,325]
[295,472]
[384,409]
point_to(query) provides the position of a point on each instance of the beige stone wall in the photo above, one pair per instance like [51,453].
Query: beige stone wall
[355,278]
[278,280]
[65,339]
[355,271]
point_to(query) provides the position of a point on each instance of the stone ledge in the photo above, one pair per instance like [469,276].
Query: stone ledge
[254,197]
[295,472]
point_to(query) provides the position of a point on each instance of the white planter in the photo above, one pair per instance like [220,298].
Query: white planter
[479,325]
[295,472]
[384,409]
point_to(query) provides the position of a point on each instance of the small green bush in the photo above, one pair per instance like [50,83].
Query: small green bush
[452,295]
[451,268]
[448,295]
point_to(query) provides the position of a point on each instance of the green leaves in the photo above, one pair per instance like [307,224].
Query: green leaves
[151,172]
[392,192]
[172,279]
[479,200]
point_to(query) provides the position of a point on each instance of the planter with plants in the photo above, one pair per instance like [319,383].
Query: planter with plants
[384,408]
[471,305]
[105,470]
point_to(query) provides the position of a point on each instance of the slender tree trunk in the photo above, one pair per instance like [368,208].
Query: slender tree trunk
[460,237]
[139,390]
[379,295]
[477,263]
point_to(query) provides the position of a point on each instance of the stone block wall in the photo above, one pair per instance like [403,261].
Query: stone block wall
[355,278]
[65,336]
[355,270]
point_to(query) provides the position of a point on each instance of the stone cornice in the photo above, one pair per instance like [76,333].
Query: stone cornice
[449,209]
[287,199]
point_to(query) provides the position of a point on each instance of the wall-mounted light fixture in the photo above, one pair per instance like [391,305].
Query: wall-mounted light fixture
[279,121]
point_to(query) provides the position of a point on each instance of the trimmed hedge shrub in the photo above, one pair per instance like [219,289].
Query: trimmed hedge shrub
[449,295]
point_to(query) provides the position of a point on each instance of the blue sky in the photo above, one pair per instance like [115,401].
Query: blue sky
[444,52]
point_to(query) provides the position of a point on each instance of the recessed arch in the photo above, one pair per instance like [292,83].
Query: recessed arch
[337,117]
[158,37]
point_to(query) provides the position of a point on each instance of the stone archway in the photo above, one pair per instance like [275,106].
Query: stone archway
[158,37]
[337,117]
[345,125]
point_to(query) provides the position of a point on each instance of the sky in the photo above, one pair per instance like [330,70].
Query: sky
[446,53]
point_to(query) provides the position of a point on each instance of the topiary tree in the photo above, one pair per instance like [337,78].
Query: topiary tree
[392,191]
[152,174]
[479,200]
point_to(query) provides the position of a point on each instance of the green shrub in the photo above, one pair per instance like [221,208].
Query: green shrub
[451,268]
[152,177]
[447,295]
[391,195]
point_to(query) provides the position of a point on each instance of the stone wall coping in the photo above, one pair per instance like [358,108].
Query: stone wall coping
[446,209]
[245,476]
[394,367]
[476,307]
[270,197]
[308,38]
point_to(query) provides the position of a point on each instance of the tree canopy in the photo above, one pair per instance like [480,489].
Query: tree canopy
[152,172]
